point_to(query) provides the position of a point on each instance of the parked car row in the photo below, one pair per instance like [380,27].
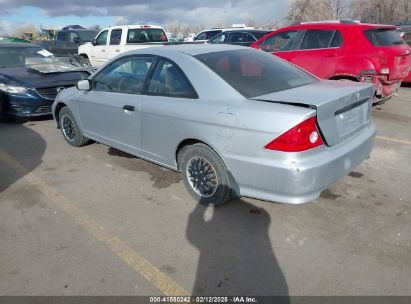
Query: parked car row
[329,50]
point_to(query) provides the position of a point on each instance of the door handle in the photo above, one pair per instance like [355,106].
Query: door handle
[118,50]
[331,55]
[129,108]
[103,51]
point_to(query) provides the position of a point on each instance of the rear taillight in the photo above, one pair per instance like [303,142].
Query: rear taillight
[302,137]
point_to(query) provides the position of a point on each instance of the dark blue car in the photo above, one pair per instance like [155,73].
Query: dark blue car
[25,92]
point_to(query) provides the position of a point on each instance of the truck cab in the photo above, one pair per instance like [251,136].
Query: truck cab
[115,40]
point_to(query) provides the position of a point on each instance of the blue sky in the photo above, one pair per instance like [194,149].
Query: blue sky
[51,13]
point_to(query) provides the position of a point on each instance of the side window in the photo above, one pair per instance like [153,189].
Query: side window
[211,34]
[201,36]
[63,36]
[124,76]
[236,37]
[337,39]
[102,38]
[249,38]
[317,39]
[221,38]
[115,37]
[74,37]
[284,41]
[169,80]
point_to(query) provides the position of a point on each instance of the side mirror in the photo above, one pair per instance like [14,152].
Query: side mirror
[94,42]
[84,85]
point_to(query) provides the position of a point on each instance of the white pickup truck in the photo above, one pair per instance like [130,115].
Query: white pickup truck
[115,40]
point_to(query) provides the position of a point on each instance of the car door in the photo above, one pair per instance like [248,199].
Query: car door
[60,43]
[113,48]
[110,111]
[98,53]
[168,96]
[319,52]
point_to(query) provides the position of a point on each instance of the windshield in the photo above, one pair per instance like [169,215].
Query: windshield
[146,35]
[11,57]
[87,35]
[253,73]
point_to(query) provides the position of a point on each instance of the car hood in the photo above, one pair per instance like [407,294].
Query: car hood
[32,79]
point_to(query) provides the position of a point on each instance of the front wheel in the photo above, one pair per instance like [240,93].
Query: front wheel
[204,175]
[70,130]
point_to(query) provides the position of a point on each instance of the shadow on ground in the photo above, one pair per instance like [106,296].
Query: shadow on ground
[236,255]
[22,144]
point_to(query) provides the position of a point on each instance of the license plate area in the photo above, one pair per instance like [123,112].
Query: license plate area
[351,119]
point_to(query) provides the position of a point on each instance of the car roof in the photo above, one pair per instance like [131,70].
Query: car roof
[18,45]
[190,49]
[331,25]
[247,30]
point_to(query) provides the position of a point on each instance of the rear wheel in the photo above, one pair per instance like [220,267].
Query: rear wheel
[70,130]
[204,175]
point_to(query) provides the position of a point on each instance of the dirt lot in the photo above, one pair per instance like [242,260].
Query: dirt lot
[95,221]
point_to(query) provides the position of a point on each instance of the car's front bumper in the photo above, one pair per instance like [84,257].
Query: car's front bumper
[298,177]
[27,106]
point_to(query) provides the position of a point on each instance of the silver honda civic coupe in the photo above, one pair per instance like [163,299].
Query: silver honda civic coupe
[233,120]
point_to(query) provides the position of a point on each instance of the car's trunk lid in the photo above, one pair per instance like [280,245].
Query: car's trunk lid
[343,107]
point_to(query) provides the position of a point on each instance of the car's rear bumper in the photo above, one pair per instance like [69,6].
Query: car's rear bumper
[298,177]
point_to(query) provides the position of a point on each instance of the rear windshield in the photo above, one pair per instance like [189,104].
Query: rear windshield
[87,35]
[146,35]
[253,73]
[383,37]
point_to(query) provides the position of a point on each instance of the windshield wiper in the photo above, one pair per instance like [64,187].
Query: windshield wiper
[398,42]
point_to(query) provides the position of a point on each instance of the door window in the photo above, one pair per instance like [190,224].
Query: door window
[201,36]
[236,37]
[284,41]
[102,38]
[169,80]
[74,37]
[221,38]
[63,36]
[115,37]
[124,76]
[337,40]
[317,39]
[211,34]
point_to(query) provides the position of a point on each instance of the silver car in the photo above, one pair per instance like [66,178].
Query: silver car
[233,120]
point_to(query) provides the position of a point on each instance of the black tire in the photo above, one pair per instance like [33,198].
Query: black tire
[211,187]
[70,130]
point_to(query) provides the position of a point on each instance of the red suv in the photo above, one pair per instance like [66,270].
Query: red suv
[344,50]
